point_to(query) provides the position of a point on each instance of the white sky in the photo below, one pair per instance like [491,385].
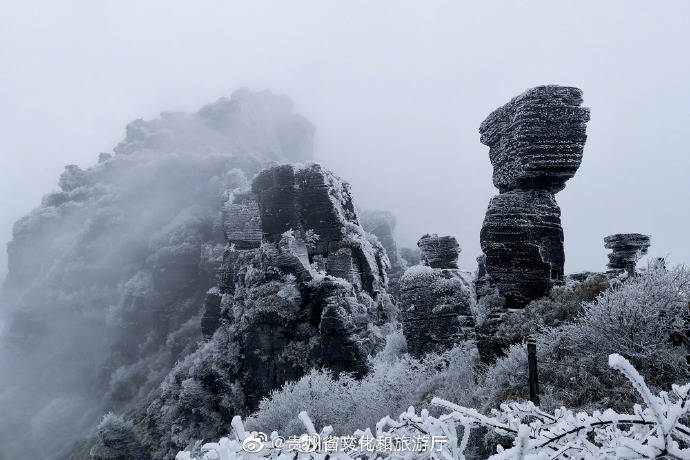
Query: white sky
[396,89]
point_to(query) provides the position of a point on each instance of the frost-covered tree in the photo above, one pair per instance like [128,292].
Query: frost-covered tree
[643,318]
[653,429]
[116,440]
[107,277]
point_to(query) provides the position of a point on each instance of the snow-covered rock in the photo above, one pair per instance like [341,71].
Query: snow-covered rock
[437,300]
[535,145]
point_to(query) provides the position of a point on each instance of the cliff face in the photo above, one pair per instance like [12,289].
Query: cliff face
[310,293]
[106,277]
[382,225]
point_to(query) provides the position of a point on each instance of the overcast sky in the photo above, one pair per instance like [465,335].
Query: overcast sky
[396,89]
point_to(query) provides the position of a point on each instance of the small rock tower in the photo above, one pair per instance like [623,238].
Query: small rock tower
[626,250]
[436,299]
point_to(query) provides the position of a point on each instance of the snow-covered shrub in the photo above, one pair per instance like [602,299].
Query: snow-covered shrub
[639,318]
[196,400]
[116,440]
[488,306]
[561,305]
[396,346]
[345,403]
[652,430]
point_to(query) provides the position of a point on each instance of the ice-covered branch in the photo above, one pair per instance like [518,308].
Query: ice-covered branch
[651,431]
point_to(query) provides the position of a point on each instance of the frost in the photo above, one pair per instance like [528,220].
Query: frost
[418,271]
[651,431]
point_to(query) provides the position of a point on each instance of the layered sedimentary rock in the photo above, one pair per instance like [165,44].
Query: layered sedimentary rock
[339,272]
[318,208]
[536,140]
[211,317]
[626,250]
[522,239]
[108,275]
[439,251]
[382,225]
[242,222]
[535,145]
[436,301]
[311,294]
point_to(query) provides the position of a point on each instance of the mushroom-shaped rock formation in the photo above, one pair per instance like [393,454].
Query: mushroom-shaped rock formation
[535,145]
[436,301]
[626,250]
[536,140]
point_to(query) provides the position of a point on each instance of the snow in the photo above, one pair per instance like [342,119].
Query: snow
[649,432]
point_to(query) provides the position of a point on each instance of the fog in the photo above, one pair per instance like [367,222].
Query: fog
[396,90]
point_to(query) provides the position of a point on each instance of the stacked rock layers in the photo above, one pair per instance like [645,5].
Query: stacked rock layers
[301,284]
[535,145]
[626,250]
[436,299]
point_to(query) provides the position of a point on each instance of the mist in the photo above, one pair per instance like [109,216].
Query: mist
[388,95]
[396,93]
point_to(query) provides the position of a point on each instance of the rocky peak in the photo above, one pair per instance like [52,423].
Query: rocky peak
[259,124]
[301,286]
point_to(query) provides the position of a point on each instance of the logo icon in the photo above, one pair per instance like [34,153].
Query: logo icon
[254,442]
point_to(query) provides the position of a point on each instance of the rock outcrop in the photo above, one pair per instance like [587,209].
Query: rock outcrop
[626,250]
[523,242]
[436,299]
[535,145]
[108,276]
[382,225]
[439,251]
[312,293]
